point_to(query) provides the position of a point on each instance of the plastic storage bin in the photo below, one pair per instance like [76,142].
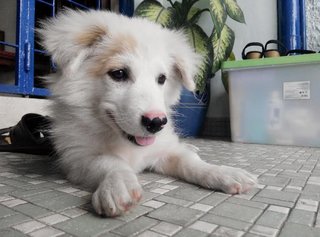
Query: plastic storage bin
[275,100]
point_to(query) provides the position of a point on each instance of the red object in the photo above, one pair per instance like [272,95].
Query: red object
[7,60]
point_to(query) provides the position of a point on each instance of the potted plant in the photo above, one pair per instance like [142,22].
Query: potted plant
[214,48]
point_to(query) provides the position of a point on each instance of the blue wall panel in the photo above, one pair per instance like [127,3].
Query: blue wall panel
[25,46]
[292,23]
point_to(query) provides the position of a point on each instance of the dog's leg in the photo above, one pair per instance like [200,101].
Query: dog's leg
[185,163]
[115,183]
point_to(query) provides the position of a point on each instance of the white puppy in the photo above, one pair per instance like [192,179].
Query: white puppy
[118,79]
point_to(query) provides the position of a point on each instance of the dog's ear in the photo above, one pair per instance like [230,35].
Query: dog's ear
[182,71]
[65,36]
[186,60]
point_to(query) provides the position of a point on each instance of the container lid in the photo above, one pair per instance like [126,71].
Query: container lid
[267,62]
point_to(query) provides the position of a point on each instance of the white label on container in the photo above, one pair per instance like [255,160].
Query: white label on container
[298,90]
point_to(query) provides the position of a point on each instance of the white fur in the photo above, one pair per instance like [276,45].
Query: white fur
[92,112]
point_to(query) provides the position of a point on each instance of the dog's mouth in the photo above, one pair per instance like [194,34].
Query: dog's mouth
[141,141]
[137,140]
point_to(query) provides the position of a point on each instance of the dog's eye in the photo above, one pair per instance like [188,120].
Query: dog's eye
[119,74]
[161,79]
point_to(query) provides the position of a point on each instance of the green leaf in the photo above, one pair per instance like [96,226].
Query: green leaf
[177,5]
[202,45]
[219,14]
[232,57]
[222,46]
[154,11]
[193,11]
[184,13]
[234,11]
[225,82]
[195,14]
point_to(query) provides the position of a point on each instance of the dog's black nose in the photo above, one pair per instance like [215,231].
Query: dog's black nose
[153,125]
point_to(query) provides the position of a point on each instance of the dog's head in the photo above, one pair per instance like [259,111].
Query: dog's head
[129,70]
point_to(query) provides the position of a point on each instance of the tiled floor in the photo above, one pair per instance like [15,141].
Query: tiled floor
[35,200]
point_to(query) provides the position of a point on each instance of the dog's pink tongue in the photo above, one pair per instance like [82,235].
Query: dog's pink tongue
[145,141]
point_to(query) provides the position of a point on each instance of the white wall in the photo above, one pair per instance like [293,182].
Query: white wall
[313,24]
[261,26]
[13,108]
[261,21]
[8,25]
[8,21]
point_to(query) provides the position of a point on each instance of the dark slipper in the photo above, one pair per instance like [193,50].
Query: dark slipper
[30,135]
[280,50]
[253,54]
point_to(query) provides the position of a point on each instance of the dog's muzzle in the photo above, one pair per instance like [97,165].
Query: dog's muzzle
[152,125]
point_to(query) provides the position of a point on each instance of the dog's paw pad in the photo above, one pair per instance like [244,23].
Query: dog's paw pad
[237,181]
[136,195]
[126,205]
[234,188]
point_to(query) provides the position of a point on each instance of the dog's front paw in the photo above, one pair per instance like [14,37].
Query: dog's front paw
[116,194]
[236,180]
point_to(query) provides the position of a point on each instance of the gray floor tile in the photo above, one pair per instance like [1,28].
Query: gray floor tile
[311,189]
[43,196]
[15,183]
[6,189]
[252,235]
[46,231]
[264,231]
[273,201]
[108,234]
[136,226]
[4,211]
[235,211]
[189,194]
[166,228]
[146,196]
[214,199]
[54,203]
[249,203]
[88,225]
[298,182]
[176,214]
[274,181]
[224,231]
[302,217]
[278,195]
[272,219]
[296,230]
[8,232]
[22,193]
[171,200]
[135,213]
[285,203]
[190,233]
[32,210]
[13,220]
[226,222]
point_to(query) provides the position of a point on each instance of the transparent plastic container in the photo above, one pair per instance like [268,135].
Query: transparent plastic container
[275,100]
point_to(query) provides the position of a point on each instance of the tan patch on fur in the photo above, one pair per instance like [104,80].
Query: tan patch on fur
[107,59]
[171,165]
[93,35]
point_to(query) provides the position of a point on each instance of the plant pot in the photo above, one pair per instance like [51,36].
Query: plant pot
[191,112]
